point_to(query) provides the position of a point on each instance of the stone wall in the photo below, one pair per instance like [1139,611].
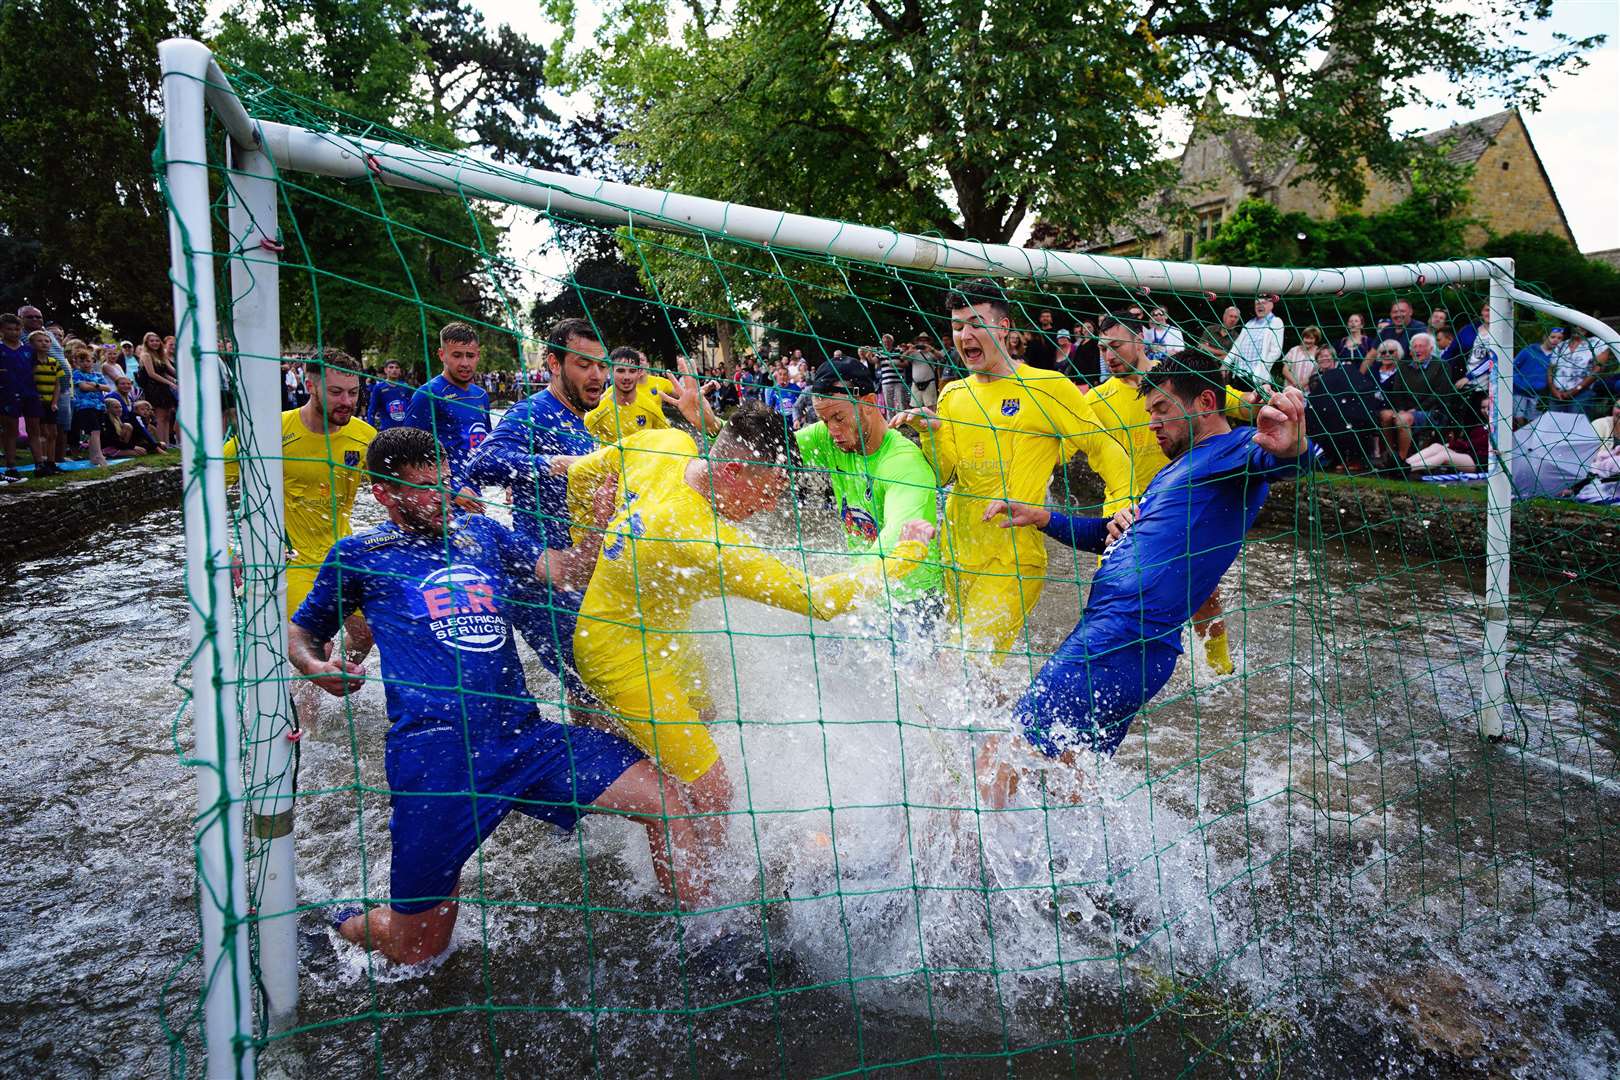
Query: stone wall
[35,522]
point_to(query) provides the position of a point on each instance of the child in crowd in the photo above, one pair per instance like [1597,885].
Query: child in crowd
[47,376]
[90,388]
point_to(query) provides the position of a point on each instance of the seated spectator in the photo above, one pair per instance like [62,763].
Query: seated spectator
[1440,320]
[1299,363]
[1421,400]
[1400,326]
[1356,345]
[1162,339]
[1608,427]
[1445,345]
[90,387]
[143,420]
[118,436]
[1341,412]
[1219,339]
[1570,378]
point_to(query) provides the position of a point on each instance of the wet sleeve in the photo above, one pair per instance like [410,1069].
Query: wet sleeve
[233,467]
[505,457]
[939,447]
[1080,533]
[584,477]
[909,494]
[754,574]
[335,596]
[419,413]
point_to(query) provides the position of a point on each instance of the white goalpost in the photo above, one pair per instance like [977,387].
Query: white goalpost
[254,798]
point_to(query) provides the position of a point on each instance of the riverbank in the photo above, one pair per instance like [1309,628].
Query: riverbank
[35,520]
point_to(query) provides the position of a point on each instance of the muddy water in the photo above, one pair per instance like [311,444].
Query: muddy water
[1316,865]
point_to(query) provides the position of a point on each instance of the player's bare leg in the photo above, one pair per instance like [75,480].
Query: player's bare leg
[1210,626]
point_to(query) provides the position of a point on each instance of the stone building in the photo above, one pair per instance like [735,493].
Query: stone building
[1225,162]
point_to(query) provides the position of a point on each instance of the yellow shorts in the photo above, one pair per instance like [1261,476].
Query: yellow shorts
[988,606]
[300,580]
[661,711]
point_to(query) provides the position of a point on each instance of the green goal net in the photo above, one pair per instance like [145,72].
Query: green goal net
[1302,857]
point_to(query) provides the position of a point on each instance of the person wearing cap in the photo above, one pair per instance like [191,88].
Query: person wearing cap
[880,479]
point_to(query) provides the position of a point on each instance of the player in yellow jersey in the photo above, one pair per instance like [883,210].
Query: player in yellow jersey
[1134,458]
[997,435]
[672,544]
[636,402]
[323,464]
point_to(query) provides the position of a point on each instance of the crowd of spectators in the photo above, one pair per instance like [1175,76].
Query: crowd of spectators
[64,399]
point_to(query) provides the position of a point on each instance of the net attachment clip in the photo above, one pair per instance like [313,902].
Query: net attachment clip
[269,244]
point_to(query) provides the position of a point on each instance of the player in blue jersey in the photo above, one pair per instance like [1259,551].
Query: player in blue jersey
[452,407]
[1161,560]
[528,453]
[390,398]
[466,745]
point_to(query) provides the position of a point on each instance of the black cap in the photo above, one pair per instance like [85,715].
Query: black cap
[834,375]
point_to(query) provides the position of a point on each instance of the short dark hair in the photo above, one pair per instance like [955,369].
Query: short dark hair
[1111,319]
[8,319]
[627,354]
[392,451]
[975,291]
[1184,376]
[565,329]
[458,332]
[757,432]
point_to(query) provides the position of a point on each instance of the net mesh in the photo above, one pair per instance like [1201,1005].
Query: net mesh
[1279,860]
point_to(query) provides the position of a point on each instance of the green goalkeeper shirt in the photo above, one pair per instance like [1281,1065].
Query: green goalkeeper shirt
[877,494]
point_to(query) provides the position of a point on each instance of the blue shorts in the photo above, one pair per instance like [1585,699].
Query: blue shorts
[544,769]
[1084,700]
[1422,418]
[16,405]
[546,618]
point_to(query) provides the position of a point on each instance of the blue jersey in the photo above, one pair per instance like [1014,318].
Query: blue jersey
[438,608]
[783,398]
[17,370]
[389,403]
[517,456]
[1530,370]
[1189,527]
[458,418]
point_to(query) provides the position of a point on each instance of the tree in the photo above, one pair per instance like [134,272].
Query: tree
[369,265]
[79,103]
[962,116]
[1566,275]
[1258,234]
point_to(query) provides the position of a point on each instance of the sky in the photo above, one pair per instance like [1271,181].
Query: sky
[1576,131]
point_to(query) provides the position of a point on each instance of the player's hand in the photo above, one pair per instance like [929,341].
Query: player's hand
[605,502]
[467,499]
[238,572]
[1016,514]
[922,418]
[1280,424]
[688,397]
[339,677]
[561,463]
[1120,522]
[917,530]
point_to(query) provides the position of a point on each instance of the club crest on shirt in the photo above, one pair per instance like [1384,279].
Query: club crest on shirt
[1010,406]
[460,604]
[641,421]
[468,546]
[351,459]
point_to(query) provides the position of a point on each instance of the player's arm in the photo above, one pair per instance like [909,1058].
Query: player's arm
[1280,447]
[333,598]
[1083,533]
[233,466]
[505,457]
[936,437]
[687,398]
[754,574]
[908,495]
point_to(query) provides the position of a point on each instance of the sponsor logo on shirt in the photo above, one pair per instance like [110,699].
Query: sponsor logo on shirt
[460,604]
[396,410]
[476,434]
[858,522]
[1010,406]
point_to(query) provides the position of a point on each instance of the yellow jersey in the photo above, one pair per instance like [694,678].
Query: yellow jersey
[321,472]
[609,421]
[1001,439]
[666,549]
[1124,452]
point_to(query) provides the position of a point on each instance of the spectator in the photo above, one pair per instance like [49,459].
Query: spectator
[108,362]
[1161,338]
[1530,369]
[784,395]
[1606,428]
[158,386]
[1256,355]
[927,364]
[1219,339]
[1299,363]
[1341,411]
[1400,327]
[1570,377]
[1445,345]
[893,373]
[390,398]
[1040,346]
[47,387]
[1085,355]
[118,436]
[127,357]
[90,388]
[1468,334]
[18,400]
[1421,399]
[1017,347]
[124,391]
[57,451]
[1356,345]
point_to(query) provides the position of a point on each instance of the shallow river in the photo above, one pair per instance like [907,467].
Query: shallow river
[1316,867]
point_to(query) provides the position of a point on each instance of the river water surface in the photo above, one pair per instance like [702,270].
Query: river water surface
[1316,868]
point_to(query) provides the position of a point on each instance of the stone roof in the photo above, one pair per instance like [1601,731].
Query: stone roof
[1473,138]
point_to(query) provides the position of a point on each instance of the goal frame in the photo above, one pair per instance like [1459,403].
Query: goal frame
[193,87]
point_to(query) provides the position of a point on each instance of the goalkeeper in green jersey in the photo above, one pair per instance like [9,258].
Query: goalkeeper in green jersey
[880,479]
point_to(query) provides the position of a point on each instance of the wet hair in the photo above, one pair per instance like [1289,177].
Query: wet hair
[395,450]
[756,433]
[975,291]
[1184,376]
[1111,319]
[627,355]
[565,330]
[458,333]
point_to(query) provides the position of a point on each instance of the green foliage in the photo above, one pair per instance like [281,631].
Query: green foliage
[1560,270]
[1258,234]
[84,229]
